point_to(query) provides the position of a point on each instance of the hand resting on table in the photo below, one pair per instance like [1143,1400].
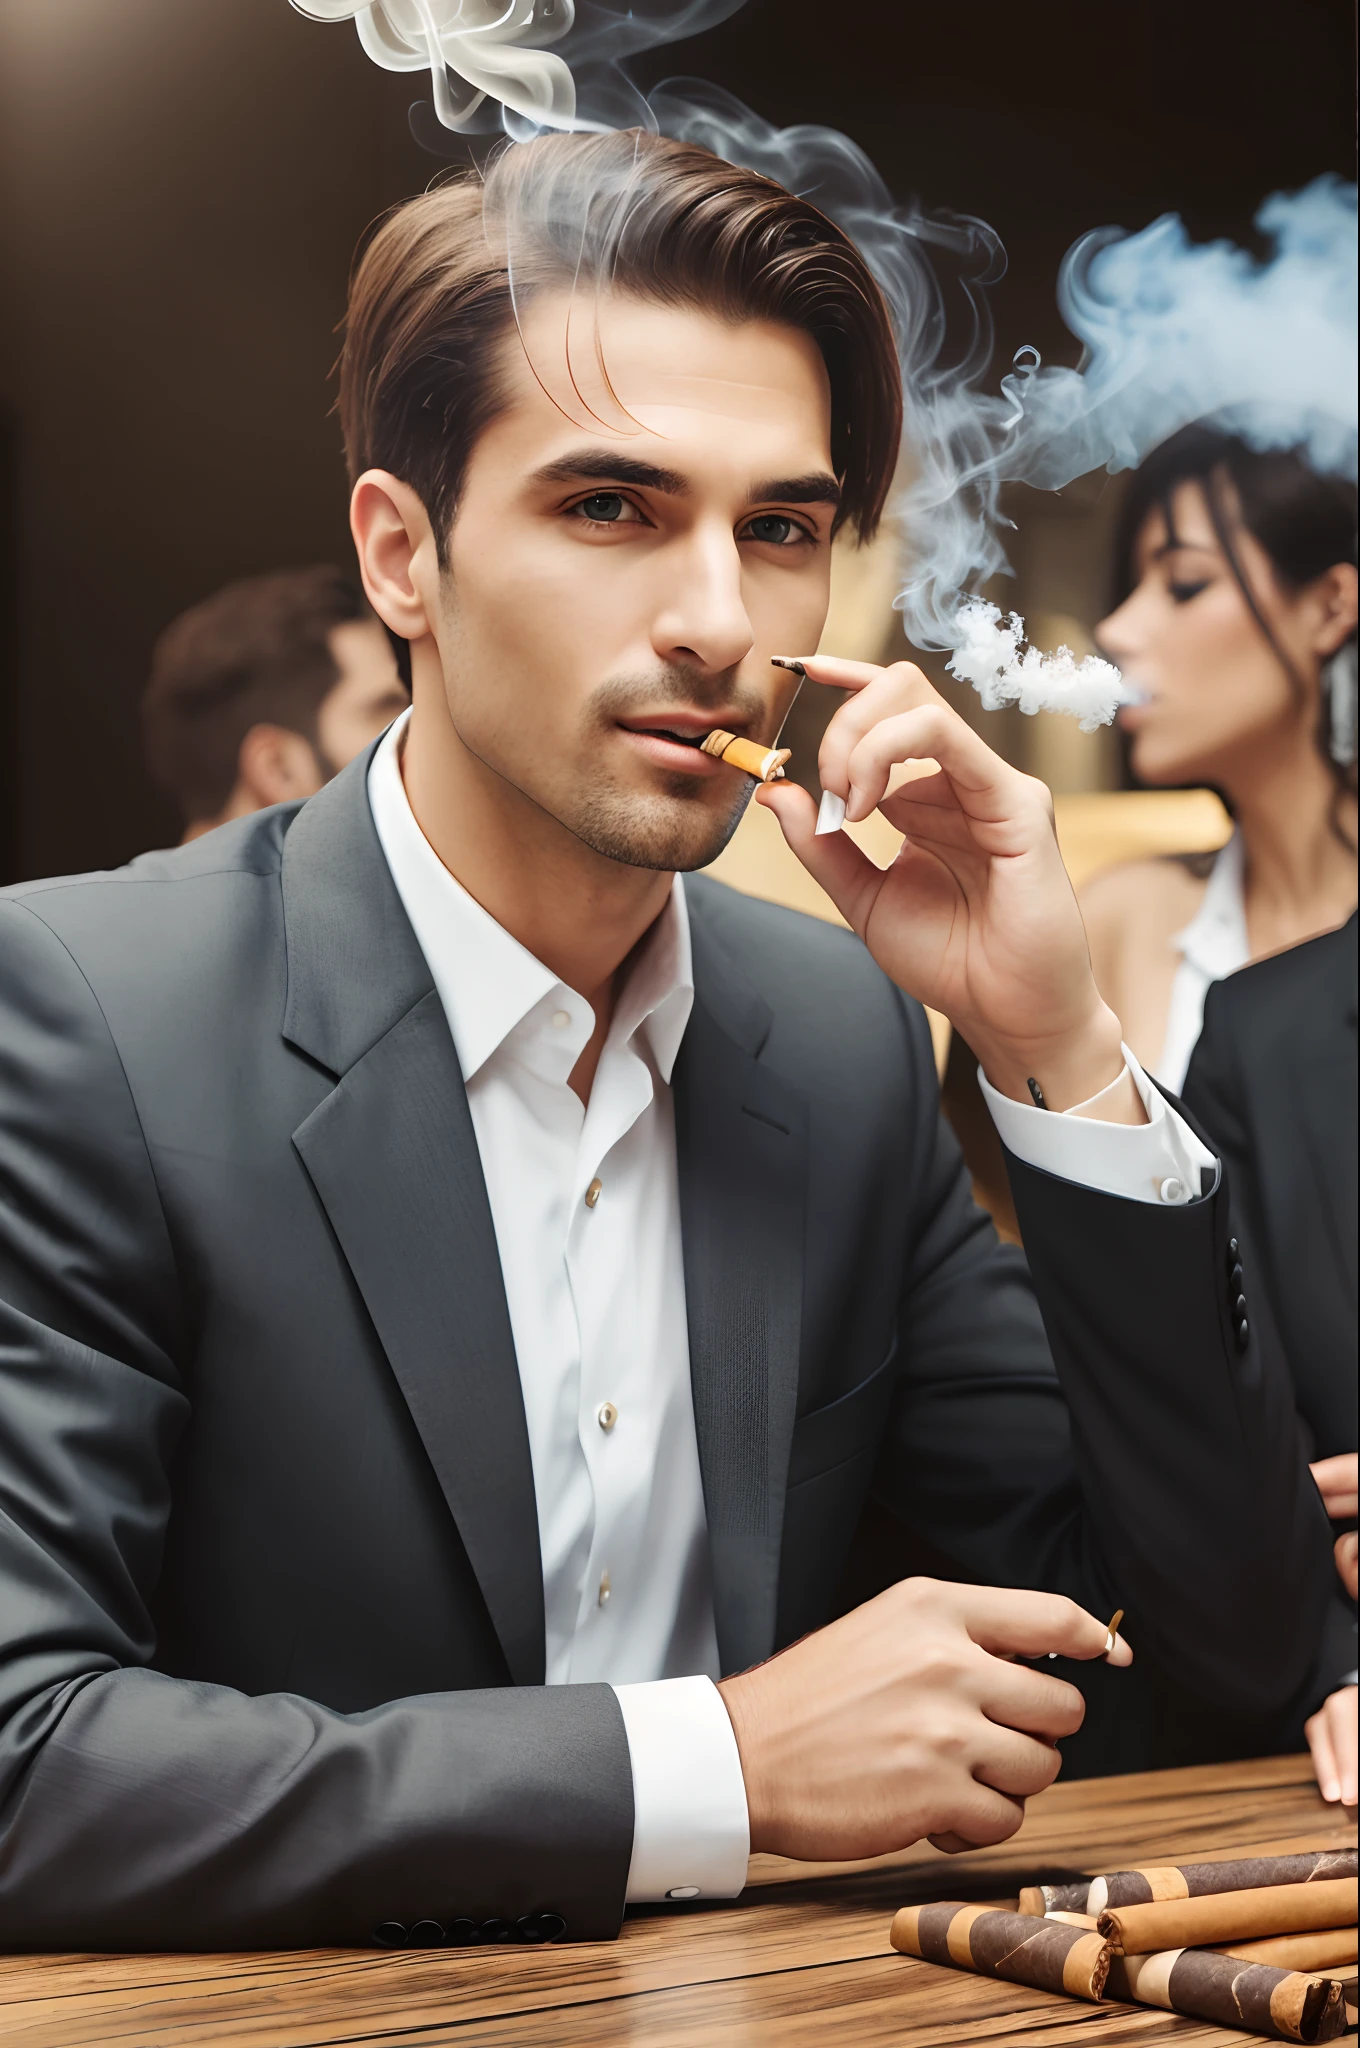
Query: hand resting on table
[907,1718]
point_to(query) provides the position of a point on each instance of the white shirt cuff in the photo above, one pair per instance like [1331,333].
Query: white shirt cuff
[1159,1161]
[691,1829]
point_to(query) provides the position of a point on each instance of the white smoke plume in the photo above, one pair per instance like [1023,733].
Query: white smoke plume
[491,64]
[1172,332]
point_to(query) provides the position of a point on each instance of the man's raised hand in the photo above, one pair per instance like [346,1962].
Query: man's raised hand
[976,916]
[906,1718]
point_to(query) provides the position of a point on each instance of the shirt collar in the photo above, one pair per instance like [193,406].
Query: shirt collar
[1215,940]
[486,980]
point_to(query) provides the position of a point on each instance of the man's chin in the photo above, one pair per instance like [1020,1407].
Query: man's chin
[676,834]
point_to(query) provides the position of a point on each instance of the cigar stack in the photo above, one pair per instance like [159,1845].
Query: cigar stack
[1245,1944]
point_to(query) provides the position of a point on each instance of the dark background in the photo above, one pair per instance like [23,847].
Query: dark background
[184,181]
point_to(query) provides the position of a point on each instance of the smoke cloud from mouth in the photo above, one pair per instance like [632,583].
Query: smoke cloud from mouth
[1171,332]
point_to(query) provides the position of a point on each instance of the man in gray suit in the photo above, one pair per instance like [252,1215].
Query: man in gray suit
[460,1286]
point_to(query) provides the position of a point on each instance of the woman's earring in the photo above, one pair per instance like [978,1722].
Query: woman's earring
[1339,687]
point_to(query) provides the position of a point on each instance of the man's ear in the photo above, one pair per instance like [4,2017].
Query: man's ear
[394,542]
[1339,592]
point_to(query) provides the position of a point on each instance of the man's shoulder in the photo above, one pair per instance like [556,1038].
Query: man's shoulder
[815,976]
[246,846]
[166,912]
[765,934]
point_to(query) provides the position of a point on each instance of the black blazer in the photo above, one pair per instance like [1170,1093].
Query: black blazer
[1273,1081]
[271,1610]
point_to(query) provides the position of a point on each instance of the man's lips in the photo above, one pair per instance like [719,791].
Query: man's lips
[673,740]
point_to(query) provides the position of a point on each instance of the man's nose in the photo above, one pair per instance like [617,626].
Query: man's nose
[702,621]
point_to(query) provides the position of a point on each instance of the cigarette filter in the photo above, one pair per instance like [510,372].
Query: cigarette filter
[1194,1880]
[1282,2004]
[1230,1916]
[1327,1950]
[1042,1953]
[765,763]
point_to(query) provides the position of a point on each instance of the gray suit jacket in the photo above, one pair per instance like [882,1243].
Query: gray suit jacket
[271,1613]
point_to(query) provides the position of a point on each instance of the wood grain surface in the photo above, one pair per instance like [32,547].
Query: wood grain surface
[801,1960]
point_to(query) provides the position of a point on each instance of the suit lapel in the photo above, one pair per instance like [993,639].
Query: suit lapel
[741,1135]
[393,1157]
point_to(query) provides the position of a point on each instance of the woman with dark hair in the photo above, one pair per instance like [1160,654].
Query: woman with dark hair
[1237,627]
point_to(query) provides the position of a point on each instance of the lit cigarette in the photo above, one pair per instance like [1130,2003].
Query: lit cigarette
[765,763]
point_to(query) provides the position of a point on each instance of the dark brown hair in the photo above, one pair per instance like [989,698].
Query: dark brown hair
[438,287]
[257,652]
[1305,522]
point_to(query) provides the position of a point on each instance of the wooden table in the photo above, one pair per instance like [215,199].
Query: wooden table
[800,1961]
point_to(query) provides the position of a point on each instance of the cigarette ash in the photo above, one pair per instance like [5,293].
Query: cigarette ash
[989,653]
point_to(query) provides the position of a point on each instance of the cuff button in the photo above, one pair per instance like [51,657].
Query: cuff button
[427,1934]
[683,1891]
[495,1930]
[390,1934]
[463,1934]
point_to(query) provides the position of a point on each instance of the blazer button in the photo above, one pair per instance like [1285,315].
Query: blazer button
[1240,1307]
[390,1934]
[1235,1280]
[494,1930]
[463,1934]
[1231,1259]
[1243,1334]
[426,1934]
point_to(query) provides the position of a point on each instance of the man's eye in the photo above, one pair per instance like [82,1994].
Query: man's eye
[606,508]
[775,527]
[1181,593]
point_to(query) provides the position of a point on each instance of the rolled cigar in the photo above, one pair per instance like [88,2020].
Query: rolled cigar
[1072,1919]
[1141,1886]
[765,763]
[1230,1916]
[1327,1950]
[1055,1898]
[1282,2004]
[1025,1950]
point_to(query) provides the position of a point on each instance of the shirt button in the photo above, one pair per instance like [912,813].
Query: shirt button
[593,1192]
[561,1019]
[604,1589]
[606,1415]
[1171,1189]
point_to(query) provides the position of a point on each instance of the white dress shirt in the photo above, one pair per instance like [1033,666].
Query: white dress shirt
[586,1207]
[1212,945]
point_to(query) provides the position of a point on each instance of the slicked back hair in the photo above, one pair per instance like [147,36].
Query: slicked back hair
[441,283]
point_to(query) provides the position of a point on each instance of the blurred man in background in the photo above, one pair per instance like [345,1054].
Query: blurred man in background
[264,691]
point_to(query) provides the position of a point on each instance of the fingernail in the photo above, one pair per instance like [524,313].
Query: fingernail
[830,811]
[1331,1793]
[788,661]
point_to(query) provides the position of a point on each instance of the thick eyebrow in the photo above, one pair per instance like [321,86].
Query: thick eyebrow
[599,465]
[819,488]
[596,465]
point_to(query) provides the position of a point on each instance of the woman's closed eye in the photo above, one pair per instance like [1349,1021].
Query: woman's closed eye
[1181,593]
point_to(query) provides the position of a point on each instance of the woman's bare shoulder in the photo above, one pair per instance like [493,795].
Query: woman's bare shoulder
[1157,894]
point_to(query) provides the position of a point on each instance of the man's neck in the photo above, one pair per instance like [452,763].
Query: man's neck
[577,911]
